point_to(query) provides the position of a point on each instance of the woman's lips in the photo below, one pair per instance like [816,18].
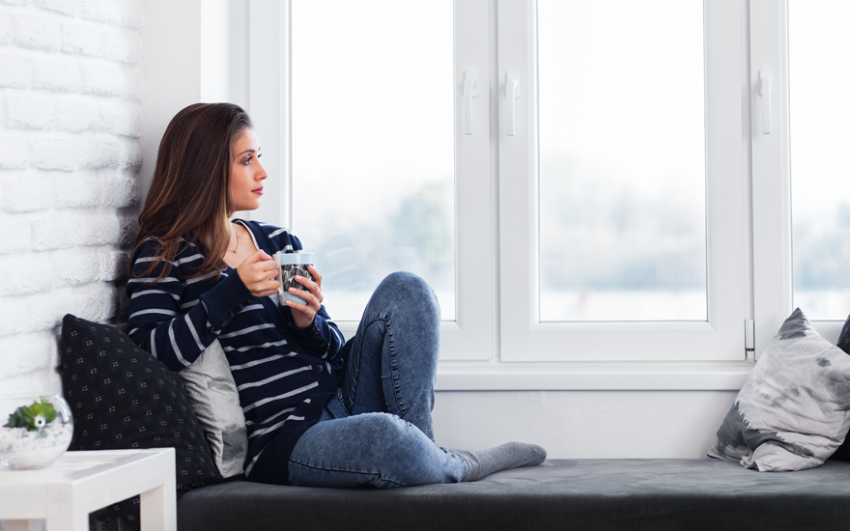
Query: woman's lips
[258,191]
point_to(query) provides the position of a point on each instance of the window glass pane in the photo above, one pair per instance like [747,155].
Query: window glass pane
[373,145]
[820,179]
[622,160]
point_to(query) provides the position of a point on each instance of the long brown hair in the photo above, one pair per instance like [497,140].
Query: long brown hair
[190,194]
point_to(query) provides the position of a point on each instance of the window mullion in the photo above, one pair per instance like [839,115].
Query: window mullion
[471,336]
[771,188]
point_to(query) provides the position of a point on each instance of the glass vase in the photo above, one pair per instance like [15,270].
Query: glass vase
[35,430]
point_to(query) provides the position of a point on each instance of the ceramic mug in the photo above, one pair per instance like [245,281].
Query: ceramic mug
[289,265]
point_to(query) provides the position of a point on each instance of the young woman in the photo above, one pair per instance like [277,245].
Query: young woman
[320,411]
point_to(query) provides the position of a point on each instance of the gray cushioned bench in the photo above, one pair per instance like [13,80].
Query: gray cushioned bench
[593,494]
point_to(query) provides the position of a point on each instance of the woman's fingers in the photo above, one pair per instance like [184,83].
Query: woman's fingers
[262,272]
[310,298]
[314,286]
[302,314]
[316,276]
[314,289]
[258,273]
[306,308]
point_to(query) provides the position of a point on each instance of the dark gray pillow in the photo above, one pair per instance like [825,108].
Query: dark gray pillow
[843,452]
[791,412]
[121,397]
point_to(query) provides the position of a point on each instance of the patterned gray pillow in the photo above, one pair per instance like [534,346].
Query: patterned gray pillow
[212,392]
[792,412]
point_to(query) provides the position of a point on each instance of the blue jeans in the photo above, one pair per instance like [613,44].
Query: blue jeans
[378,431]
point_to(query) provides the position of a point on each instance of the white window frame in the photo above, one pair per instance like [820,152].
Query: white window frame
[772,281]
[472,335]
[720,338]
[489,347]
[771,173]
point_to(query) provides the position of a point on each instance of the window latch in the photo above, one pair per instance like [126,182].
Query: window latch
[470,90]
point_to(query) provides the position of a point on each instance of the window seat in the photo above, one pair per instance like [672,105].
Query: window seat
[591,494]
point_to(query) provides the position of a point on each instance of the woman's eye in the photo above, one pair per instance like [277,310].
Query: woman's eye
[248,161]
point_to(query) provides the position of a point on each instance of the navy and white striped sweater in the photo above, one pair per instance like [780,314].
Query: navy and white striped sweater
[285,375]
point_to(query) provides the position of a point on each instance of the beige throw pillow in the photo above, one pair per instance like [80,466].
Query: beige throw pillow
[213,395]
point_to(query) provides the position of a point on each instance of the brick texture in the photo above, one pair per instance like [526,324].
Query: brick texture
[35,32]
[15,70]
[61,75]
[70,119]
[29,112]
[5,30]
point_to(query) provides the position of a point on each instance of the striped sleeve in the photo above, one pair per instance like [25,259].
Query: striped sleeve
[167,318]
[323,338]
[281,239]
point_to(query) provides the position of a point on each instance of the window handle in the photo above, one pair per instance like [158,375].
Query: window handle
[766,92]
[470,90]
[511,94]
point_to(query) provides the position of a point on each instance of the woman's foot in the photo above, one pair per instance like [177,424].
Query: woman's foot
[482,463]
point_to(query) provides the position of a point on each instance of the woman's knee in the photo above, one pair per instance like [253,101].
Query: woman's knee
[404,281]
[388,430]
[398,447]
[378,449]
[389,440]
[408,290]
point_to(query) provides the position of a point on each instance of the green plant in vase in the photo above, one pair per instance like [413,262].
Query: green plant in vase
[33,417]
[36,433]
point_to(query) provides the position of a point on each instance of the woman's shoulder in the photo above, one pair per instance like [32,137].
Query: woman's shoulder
[153,244]
[279,238]
[150,250]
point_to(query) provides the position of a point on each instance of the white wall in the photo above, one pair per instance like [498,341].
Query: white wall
[171,68]
[190,55]
[585,424]
[70,91]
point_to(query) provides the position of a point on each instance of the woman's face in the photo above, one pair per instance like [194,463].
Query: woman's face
[247,174]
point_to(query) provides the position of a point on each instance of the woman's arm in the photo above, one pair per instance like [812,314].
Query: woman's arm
[322,338]
[157,322]
[317,334]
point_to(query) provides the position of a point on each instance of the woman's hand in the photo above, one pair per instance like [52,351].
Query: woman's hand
[258,273]
[303,314]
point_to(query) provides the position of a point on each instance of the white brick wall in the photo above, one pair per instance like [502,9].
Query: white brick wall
[70,118]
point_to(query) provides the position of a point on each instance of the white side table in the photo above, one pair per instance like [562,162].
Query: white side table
[64,493]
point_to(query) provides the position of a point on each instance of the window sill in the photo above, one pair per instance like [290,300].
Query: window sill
[726,377]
